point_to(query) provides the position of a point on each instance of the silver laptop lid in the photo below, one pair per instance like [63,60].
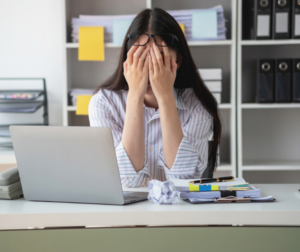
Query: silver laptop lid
[67,164]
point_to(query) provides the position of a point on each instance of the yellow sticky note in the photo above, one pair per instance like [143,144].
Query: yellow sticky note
[182,27]
[194,188]
[91,43]
[214,187]
[83,104]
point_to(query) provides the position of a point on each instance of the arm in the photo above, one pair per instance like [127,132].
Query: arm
[136,74]
[162,75]
[102,115]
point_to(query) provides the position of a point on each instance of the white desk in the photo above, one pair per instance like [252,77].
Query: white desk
[22,214]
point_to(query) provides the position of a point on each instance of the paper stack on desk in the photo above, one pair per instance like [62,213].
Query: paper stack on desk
[217,190]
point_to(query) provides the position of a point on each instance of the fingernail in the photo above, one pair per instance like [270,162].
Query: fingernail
[163,43]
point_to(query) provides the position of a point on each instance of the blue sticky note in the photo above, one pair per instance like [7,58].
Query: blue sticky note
[120,27]
[203,188]
[204,24]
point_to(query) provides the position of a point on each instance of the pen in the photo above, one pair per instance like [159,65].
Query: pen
[210,180]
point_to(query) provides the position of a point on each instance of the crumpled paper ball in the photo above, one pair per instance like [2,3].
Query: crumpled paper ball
[162,192]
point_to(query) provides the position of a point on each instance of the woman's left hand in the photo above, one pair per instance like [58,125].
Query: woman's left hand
[162,73]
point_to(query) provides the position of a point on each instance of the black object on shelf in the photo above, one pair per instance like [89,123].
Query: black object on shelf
[265,80]
[295,19]
[282,21]
[283,80]
[22,101]
[296,80]
[257,19]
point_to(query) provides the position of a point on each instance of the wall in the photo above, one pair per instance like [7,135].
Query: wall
[31,46]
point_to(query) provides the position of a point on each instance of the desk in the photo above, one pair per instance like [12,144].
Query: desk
[262,226]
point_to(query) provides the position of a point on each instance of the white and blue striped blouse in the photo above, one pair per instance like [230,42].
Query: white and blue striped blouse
[108,108]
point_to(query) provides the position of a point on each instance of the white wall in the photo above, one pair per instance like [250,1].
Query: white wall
[31,45]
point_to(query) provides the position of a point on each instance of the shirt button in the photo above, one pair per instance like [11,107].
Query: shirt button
[150,149]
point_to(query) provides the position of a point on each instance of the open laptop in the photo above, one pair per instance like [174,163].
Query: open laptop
[69,164]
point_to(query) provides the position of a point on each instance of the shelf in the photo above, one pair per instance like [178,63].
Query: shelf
[71,108]
[190,43]
[271,165]
[225,167]
[225,106]
[270,42]
[269,106]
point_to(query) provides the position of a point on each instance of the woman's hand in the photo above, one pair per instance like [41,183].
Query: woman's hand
[162,73]
[136,69]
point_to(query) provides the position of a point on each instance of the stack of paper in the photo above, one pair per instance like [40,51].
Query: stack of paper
[115,26]
[194,193]
[79,91]
[198,24]
[202,24]
[212,78]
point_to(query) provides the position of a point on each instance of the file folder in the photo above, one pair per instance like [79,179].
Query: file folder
[296,19]
[296,80]
[283,80]
[265,80]
[257,19]
[282,11]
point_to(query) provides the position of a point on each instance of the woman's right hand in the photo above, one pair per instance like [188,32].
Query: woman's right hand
[136,69]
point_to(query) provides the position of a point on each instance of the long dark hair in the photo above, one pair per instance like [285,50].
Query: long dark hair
[159,21]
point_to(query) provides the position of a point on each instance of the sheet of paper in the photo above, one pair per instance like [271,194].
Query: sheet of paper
[83,104]
[204,24]
[91,43]
[120,27]
[182,27]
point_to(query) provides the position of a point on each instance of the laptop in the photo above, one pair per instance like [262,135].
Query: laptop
[69,164]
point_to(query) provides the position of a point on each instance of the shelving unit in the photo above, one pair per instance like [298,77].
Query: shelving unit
[38,104]
[207,54]
[268,134]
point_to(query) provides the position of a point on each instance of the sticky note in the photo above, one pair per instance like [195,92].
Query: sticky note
[214,187]
[204,24]
[120,27]
[83,104]
[203,188]
[91,43]
[182,27]
[194,188]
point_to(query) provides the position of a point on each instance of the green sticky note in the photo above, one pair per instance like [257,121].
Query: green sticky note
[204,24]
[120,27]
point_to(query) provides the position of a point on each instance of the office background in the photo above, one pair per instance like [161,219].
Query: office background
[261,142]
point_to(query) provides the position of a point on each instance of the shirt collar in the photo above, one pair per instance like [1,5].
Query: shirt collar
[179,101]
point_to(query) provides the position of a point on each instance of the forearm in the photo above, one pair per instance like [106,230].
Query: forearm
[133,137]
[171,129]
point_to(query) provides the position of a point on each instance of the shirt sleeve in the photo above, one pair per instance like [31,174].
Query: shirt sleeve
[100,115]
[192,155]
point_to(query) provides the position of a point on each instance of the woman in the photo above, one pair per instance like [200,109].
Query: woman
[159,110]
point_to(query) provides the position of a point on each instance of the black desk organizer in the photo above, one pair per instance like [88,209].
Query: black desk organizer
[22,105]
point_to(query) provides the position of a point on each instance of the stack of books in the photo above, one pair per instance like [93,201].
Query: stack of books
[212,78]
[238,189]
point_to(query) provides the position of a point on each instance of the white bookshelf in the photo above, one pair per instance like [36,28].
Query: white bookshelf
[268,134]
[218,54]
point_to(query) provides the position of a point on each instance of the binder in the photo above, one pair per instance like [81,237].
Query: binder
[265,80]
[282,12]
[296,80]
[296,19]
[257,19]
[283,80]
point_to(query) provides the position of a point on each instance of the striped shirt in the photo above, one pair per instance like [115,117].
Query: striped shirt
[108,108]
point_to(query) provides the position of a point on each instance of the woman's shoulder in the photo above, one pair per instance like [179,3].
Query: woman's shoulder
[108,96]
[193,103]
